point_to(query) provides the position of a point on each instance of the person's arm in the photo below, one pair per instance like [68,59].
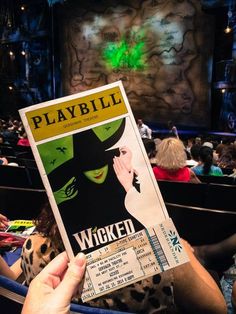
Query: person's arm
[217,251]
[51,291]
[3,222]
[12,272]
[195,289]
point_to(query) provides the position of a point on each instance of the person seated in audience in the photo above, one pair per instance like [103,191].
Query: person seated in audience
[194,152]
[2,141]
[190,143]
[10,136]
[171,162]
[14,271]
[219,149]
[227,160]
[150,148]
[178,289]
[198,140]
[205,165]
[23,139]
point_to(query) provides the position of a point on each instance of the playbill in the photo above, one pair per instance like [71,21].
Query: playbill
[101,188]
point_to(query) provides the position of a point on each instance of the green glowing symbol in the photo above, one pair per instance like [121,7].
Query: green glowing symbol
[125,54]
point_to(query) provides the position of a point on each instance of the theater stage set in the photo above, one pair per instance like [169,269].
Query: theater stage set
[175,58]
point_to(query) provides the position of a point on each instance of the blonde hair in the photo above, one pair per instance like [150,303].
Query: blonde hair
[171,154]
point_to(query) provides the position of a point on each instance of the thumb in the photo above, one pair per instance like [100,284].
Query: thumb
[72,278]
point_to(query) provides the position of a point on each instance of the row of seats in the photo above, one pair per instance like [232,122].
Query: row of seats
[18,151]
[22,177]
[214,196]
[21,203]
[218,179]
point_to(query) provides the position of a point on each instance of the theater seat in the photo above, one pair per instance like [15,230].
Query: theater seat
[202,225]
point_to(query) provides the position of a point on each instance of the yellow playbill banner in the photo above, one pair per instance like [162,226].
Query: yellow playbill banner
[75,113]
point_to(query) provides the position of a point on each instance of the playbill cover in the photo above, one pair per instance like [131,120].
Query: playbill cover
[101,188]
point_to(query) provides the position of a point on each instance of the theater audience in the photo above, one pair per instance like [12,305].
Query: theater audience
[171,162]
[205,165]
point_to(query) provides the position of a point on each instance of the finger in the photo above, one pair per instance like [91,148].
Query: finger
[57,266]
[72,278]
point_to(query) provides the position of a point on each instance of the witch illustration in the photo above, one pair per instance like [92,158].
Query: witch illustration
[91,185]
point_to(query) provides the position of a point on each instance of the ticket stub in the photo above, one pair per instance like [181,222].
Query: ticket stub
[133,258]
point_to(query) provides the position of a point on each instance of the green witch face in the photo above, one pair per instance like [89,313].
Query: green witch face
[97,175]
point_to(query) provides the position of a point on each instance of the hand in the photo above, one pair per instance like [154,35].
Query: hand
[4,161]
[124,175]
[51,291]
[3,222]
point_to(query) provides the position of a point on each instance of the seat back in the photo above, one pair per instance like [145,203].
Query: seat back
[14,176]
[201,225]
[217,179]
[20,203]
[220,196]
[183,192]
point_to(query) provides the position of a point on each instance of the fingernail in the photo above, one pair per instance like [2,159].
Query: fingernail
[80,259]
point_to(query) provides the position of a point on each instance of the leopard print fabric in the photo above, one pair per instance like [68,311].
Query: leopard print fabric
[149,296]
[37,252]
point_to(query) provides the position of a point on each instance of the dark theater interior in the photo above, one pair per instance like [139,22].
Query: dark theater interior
[176,60]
